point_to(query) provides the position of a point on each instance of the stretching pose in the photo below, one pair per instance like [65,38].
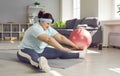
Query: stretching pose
[34,48]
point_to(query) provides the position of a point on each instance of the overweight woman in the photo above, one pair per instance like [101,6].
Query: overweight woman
[34,49]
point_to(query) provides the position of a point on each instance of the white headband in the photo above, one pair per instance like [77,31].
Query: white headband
[46,20]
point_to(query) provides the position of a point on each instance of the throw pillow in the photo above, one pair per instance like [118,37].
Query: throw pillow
[70,23]
[78,22]
[91,21]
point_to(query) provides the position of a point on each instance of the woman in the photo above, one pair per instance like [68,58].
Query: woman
[33,47]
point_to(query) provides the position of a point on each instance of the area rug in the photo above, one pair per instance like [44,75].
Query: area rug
[63,63]
[10,55]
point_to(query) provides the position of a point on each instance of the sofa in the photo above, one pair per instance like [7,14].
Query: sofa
[91,24]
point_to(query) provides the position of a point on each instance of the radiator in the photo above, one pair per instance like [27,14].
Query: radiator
[114,39]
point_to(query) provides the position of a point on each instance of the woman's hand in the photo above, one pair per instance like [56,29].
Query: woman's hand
[77,46]
[66,49]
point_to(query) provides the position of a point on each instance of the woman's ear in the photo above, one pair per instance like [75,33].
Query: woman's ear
[52,21]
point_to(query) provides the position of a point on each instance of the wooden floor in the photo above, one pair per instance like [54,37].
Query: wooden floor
[105,62]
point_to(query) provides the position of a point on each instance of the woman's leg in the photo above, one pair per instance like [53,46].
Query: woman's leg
[28,56]
[52,53]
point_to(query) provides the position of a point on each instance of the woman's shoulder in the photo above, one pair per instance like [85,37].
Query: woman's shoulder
[35,24]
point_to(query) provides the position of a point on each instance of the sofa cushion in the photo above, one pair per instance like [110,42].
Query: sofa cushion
[91,21]
[78,22]
[70,23]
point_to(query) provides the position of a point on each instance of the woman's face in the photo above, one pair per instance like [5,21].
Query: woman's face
[45,25]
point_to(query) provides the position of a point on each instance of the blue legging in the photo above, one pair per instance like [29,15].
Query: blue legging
[49,53]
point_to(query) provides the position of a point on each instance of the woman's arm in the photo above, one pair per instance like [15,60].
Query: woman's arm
[62,39]
[51,41]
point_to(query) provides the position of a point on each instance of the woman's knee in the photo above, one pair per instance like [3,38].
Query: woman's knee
[26,58]
[22,59]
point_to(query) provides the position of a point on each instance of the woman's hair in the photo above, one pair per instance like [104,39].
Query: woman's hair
[45,15]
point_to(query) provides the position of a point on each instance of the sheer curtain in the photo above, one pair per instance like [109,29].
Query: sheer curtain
[76,9]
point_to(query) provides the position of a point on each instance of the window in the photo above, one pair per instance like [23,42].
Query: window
[115,6]
[76,9]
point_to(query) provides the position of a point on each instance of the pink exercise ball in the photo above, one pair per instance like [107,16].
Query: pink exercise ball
[81,37]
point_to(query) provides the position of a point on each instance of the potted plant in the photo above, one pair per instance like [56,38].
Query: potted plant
[36,3]
[58,24]
[118,9]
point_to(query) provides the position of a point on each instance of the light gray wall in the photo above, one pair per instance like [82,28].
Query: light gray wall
[96,8]
[15,10]
[89,8]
